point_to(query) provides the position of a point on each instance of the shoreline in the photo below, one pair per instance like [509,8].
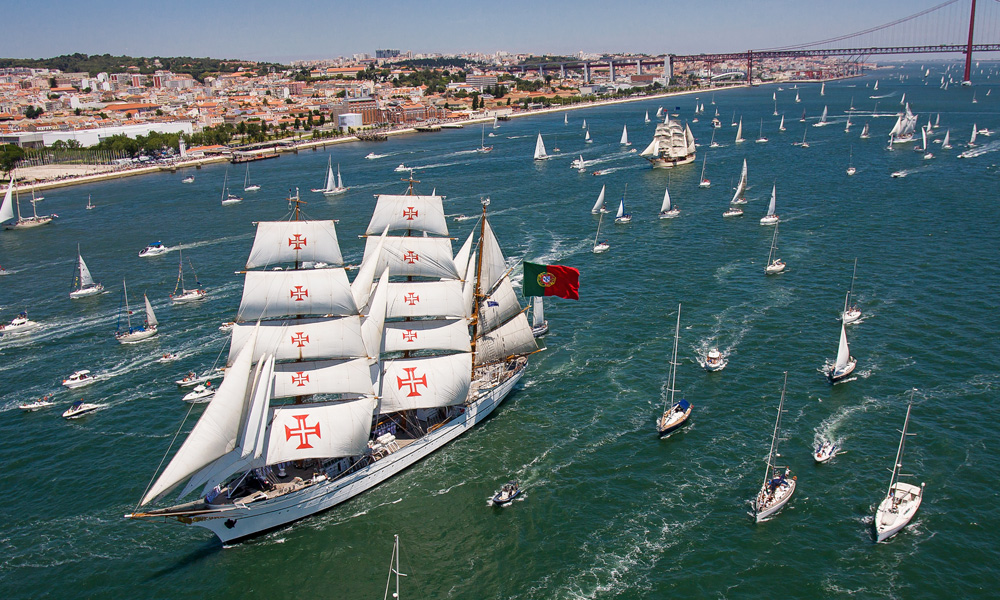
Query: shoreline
[313,144]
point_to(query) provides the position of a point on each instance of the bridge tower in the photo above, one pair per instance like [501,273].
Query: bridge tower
[586,72]
[562,70]
[611,70]
[967,80]
[749,67]
[638,66]
[668,68]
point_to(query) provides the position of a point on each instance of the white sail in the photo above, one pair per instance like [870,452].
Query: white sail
[7,207]
[822,89]
[647,116]
[770,206]
[215,432]
[322,377]
[85,278]
[414,256]
[150,315]
[497,308]
[652,149]
[462,256]
[689,138]
[307,431]
[621,209]
[843,352]
[947,140]
[408,213]
[666,200]
[586,136]
[469,285]
[361,287]
[283,293]
[425,382]
[822,118]
[540,149]
[894,132]
[413,299]
[741,187]
[923,136]
[972,140]
[434,334]
[599,205]
[494,265]
[781,126]
[279,242]
[373,325]
[340,182]
[739,132]
[301,339]
[512,338]
[538,312]
[331,179]
[624,140]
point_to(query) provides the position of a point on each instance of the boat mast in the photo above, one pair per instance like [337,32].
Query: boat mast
[599,220]
[673,361]
[851,292]
[774,439]
[128,311]
[478,291]
[899,453]
[774,240]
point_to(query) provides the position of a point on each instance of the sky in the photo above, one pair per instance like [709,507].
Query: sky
[286,30]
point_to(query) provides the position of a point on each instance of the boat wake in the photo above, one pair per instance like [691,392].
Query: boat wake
[889,95]
[829,428]
[974,152]
[213,242]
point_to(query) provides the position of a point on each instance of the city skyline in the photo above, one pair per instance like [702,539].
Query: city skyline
[251,30]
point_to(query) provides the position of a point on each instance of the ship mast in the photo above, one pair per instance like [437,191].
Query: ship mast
[479,269]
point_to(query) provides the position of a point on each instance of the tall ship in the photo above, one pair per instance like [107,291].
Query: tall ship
[906,125]
[672,145]
[333,386]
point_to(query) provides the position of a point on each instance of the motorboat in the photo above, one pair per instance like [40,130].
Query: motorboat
[201,393]
[373,156]
[825,451]
[714,361]
[192,379]
[154,249]
[733,211]
[79,379]
[188,179]
[507,494]
[227,326]
[578,163]
[38,404]
[167,357]
[899,174]
[401,168]
[78,409]
[18,324]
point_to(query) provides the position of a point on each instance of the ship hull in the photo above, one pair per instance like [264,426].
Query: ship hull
[660,162]
[235,523]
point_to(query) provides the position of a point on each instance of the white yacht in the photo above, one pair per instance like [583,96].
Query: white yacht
[901,502]
[79,379]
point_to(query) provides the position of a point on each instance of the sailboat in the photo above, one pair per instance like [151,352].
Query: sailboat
[781,125]
[600,247]
[822,119]
[584,124]
[797,99]
[847,127]
[539,326]
[974,101]
[946,144]
[659,112]
[483,148]
[647,117]
[185,294]
[903,130]
[90,205]
[864,132]
[540,149]
[822,89]
[624,141]
[774,265]
[739,132]
[902,101]
[778,487]
[712,143]
[761,139]
[774,96]
[672,145]
[733,124]
[247,186]
[666,210]
[741,187]
[599,205]
[579,164]
[802,119]
[393,570]
[901,502]
[850,162]
[228,198]
[803,143]
[845,363]
[586,138]
[851,313]
[565,119]
[705,183]
[621,216]
[875,88]
[675,414]
[972,141]
[7,211]
[83,283]
[770,218]
[334,188]
[131,334]
[927,152]
[299,425]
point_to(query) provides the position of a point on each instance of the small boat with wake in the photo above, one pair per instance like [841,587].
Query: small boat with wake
[40,403]
[78,409]
[200,394]
[507,494]
[714,361]
[825,451]
[79,379]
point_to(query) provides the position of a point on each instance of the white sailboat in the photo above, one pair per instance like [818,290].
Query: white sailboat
[483,148]
[739,132]
[247,186]
[599,205]
[845,363]
[586,137]
[579,164]
[902,101]
[83,283]
[621,216]
[705,183]
[666,210]
[822,89]
[847,127]
[539,326]
[565,119]
[905,127]
[647,117]
[774,97]
[864,132]
[822,119]
[875,88]
[927,151]
[130,334]
[496,121]
[228,198]
[584,124]
[298,424]
[778,486]
[972,140]
[181,294]
[946,144]
[851,312]
[850,162]
[770,218]
[797,99]
[600,247]
[760,138]
[741,187]
[672,145]
[540,149]
[774,265]
[781,125]
[675,414]
[624,141]
[90,205]
[7,211]
[712,143]
[901,502]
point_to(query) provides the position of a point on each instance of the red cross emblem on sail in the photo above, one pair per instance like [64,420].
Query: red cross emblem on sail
[411,299]
[299,294]
[411,381]
[300,379]
[302,431]
[410,213]
[300,339]
[409,335]
[411,257]
[297,241]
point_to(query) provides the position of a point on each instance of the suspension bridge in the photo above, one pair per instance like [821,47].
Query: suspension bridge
[951,27]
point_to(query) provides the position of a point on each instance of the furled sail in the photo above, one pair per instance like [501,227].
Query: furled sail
[511,339]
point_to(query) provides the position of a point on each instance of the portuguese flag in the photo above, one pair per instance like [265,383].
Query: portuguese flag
[551,280]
